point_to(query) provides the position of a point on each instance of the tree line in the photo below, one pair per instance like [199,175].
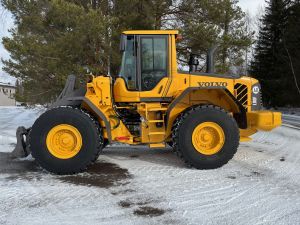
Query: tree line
[276,62]
[54,38]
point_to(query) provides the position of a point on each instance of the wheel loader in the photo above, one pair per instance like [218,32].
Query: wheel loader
[203,116]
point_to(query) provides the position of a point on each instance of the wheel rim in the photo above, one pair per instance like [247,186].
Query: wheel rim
[64,141]
[208,138]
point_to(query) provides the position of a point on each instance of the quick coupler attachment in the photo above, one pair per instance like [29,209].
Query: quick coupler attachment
[21,149]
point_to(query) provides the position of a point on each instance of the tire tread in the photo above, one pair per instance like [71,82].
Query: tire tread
[179,121]
[99,146]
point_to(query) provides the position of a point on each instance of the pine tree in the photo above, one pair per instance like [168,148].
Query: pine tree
[291,56]
[207,23]
[269,64]
[136,15]
[53,39]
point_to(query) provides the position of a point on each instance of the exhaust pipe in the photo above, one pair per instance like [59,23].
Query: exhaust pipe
[210,59]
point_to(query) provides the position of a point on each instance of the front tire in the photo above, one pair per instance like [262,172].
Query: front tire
[205,137]
[65,140]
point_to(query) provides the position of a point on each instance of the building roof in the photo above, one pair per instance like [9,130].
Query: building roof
[7,85]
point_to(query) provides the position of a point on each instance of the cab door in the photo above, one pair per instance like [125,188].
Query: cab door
[126,86]
[153,67]
[144,73]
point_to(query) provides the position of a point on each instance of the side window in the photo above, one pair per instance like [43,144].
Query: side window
[128,67]
[153,61]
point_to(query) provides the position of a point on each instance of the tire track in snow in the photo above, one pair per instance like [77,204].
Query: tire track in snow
[272,149]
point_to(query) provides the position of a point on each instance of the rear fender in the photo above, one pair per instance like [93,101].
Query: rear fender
[221,97]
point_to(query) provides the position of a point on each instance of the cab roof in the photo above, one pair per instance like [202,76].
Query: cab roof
[158,32]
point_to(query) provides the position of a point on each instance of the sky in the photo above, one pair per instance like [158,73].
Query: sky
[253,7]
[6,22]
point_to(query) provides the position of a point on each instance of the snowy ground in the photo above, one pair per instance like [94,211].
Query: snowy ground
[261,185]
[290,111]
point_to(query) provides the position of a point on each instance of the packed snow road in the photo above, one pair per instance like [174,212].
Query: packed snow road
[291,120]
[261,185]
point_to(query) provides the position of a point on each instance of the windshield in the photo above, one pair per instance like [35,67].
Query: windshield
[128,66]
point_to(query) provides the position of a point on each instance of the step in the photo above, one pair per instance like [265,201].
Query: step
[157,133]
[157,109]
[157,145]
[156,121]
[245,139]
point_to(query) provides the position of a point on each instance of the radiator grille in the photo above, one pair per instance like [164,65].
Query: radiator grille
[241,94]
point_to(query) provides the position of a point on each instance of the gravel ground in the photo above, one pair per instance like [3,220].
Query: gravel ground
[143,186]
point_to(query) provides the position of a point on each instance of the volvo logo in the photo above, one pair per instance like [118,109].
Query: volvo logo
[213,84]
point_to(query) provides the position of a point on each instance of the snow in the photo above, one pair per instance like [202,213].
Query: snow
[259,186]
[290,111]
[10,118]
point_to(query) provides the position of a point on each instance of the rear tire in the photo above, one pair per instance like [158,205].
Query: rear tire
[185,143]
[90,136]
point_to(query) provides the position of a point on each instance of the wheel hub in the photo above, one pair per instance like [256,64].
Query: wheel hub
[64,141]
[208,138]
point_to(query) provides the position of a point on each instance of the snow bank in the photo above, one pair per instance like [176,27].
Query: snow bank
[10,119]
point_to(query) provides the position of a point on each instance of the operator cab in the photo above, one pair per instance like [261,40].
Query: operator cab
[144,74]
[145,65]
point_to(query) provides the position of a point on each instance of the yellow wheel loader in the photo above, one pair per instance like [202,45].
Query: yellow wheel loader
[202,116]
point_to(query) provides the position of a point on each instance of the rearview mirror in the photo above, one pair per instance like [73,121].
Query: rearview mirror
[193,63]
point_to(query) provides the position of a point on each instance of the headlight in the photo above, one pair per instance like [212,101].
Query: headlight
[256,97]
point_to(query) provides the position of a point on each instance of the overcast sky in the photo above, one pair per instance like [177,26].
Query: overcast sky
[6,22]
[253,6]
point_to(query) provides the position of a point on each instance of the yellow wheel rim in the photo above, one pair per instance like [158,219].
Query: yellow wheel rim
[208,138]
[64,141]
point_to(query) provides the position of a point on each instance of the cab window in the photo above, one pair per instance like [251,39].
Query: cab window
[153,61]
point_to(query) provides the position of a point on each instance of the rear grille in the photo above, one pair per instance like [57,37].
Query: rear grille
[241,94]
